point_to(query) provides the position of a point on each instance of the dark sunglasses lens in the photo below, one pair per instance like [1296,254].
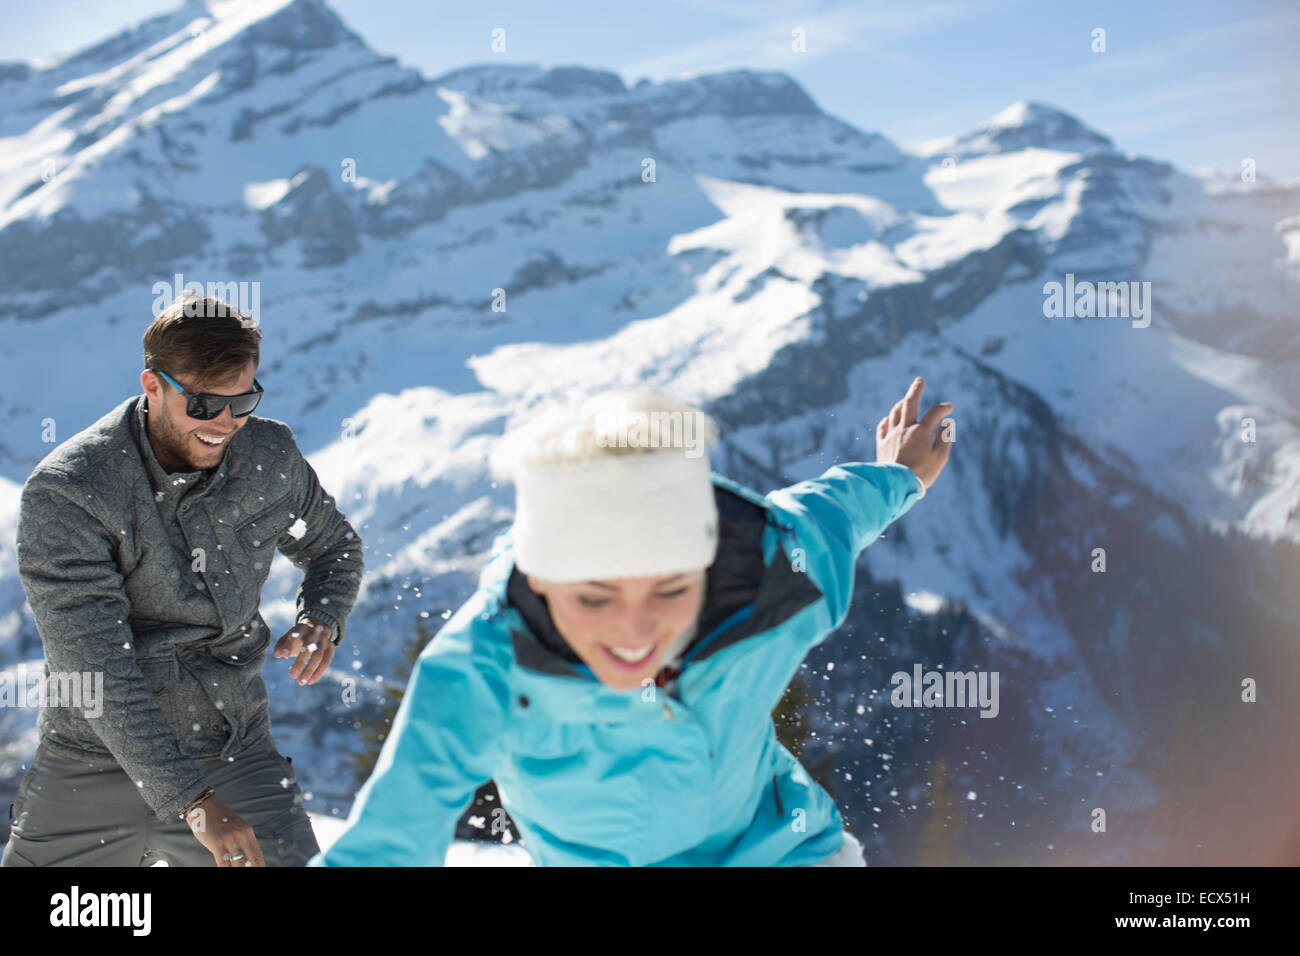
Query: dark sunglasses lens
[204,408]
[198,407]
[244,404]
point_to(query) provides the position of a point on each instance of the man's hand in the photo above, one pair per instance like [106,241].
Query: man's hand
[309,641]
[225,834]
[901,438]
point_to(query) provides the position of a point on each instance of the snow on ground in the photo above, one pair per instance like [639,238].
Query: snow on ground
[461,853]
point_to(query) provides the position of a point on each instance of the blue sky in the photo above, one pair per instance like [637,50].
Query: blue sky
[1197,83]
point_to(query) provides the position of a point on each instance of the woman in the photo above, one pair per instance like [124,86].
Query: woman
[616,669]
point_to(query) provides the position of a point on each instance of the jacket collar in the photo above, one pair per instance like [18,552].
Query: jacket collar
[180,482]
[159,476]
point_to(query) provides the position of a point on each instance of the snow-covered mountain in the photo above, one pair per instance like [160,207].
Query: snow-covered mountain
[725,239]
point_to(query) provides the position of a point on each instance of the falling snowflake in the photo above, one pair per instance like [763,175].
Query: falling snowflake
[298,528]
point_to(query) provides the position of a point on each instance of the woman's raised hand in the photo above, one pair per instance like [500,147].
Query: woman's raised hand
[901,438]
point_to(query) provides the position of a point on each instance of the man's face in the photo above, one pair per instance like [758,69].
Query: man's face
[622,627]
[182,443]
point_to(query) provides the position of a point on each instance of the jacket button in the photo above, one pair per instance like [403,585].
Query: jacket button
[523,701]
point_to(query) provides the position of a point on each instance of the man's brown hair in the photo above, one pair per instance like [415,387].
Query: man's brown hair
[203,338]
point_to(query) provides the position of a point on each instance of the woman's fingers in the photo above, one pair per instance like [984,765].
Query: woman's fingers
[942,448]
[904,415]
[934,415]
[912,401]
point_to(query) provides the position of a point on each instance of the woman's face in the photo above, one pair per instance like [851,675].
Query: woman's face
[622,627]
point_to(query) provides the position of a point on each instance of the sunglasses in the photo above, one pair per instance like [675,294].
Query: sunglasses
[205,407]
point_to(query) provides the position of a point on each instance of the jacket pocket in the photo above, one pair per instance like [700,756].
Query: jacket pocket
[198,727]
[16,808]
[232,672]
[247,646]
[258,535]
[12,857]
[541,738]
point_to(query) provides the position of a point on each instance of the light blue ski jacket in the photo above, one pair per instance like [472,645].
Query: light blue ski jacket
[591,775]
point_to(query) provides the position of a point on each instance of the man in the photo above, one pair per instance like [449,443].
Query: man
[143,545]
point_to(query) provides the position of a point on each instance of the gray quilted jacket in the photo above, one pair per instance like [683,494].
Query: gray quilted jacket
[154,580]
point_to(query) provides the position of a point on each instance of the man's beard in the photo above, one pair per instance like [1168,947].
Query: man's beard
[176,446]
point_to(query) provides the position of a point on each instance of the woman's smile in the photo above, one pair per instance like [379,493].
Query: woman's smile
[631,658]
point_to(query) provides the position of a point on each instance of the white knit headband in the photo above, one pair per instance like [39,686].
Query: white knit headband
[635,515]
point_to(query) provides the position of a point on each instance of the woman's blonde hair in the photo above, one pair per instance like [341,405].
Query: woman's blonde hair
[614,422]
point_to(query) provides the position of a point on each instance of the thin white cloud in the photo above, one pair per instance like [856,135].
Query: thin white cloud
[1127,54]
[1226,82]
[1226,117]
[749,10]
[766,42]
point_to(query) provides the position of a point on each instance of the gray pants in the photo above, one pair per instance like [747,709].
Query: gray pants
[88,812]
